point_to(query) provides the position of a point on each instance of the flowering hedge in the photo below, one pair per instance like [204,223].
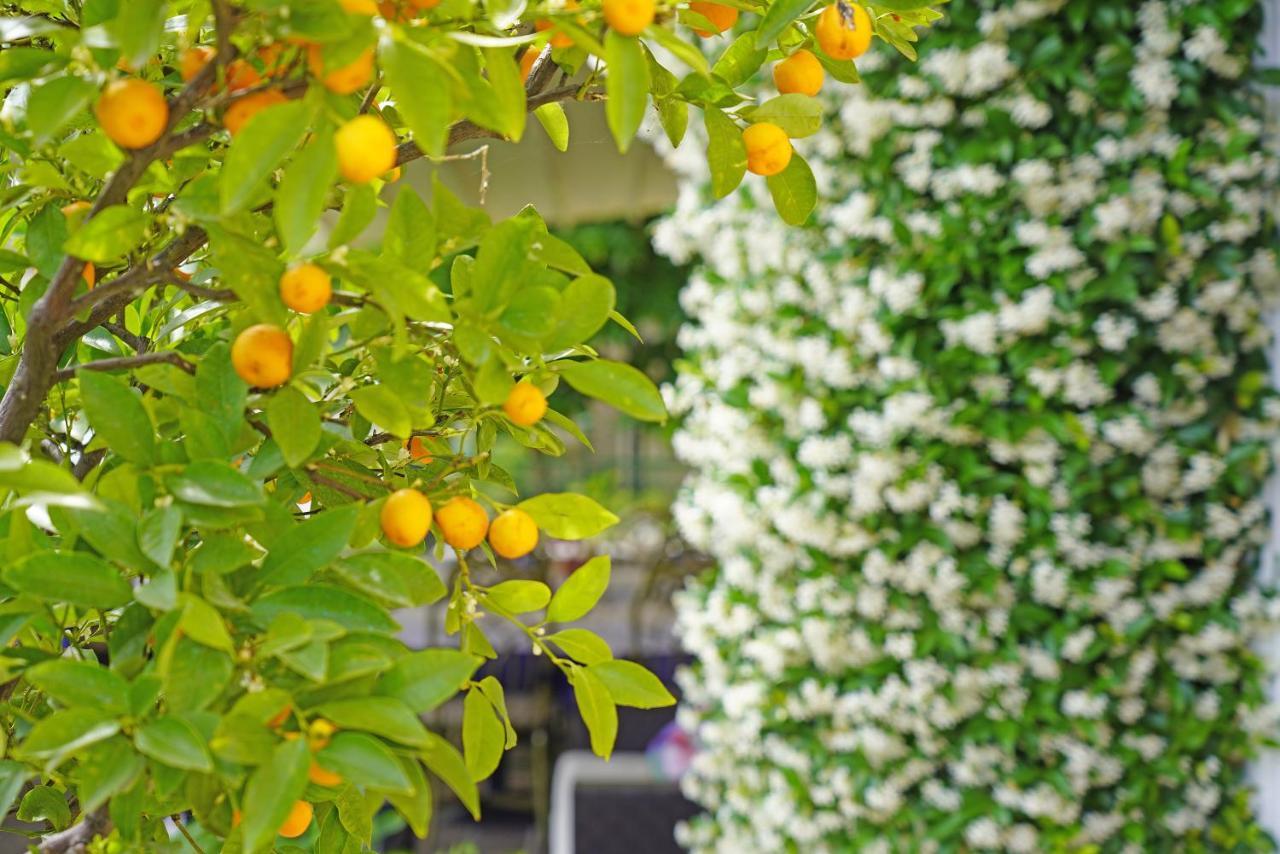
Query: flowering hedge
[981,451]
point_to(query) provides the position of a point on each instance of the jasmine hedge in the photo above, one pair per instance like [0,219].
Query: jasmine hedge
[981,451]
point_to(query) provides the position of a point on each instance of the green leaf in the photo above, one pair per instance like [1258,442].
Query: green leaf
[214,484]
[359,207]
[416,808]
[384,716]
[194,675]
[626,87]
[402,579]
[629,684]
[483,735]
[799,115]
[258,149]
[794,191]
[203,624]
[54,738]
[580,591]
[518,595]
[80,683]
[113,232]
[304,192]
[597,709]
[326,602]
[45,803]
[426,678]
[421,92]
[508,88]
[555,123]
[103,770]
[53,105]
[365,761]
[582,645]
[532,312]
[502,262]
[618,384]
[447,763]
[380,405]
[158,534]
[776,18]
[740,61]
[410,238]
[76,578]
[295,425]
[174,742]
[726,152]
[13,776]
[23,474]
[309,546]
[137,28]
[118,416]
[584,309]
[687,53]
[271,792]
[568,515]
[22,63]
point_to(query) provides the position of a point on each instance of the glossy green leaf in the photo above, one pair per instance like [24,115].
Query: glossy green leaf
[258,149]
[568,515]
[629,684]
[618,384]
[426,678]
[580,591]
[76,578]
[626,87]
[118,416]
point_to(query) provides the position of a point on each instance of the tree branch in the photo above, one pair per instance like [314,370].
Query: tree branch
[75,839]
[159,357]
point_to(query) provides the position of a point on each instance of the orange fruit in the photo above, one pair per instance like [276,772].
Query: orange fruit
[346,79]
[75,211]
[305,288]
[89,274]
[462,522]
[243,109]
[319,732]
[366,148]
[132,113]
[558,39]
[842,38]
[525,404]
[279,718]
[405,517]
[801,73]
[262,356]
[394,175]
[193,59]
[628,17]
[418,450]
[298,821]
[322,776]
[360,7]
[768,149]
[269,55]
[513,533]
[424,4]
[242,75]
[305,499]
[526,62]
[721,16]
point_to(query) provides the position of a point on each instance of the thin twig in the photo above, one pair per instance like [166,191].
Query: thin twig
[182,828]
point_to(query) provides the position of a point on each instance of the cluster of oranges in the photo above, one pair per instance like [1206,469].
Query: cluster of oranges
[842,34]
[407,514]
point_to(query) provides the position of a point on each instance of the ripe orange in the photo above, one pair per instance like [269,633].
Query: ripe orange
[406,517]
[298,821]
[346,79]
[322,776]
[243,109]
[840,38]
[424,4]
[193,59]
[526,62]
[279,717]
[418,450]
[319,732]
[463,522]
[305,288]
[558,39]
[628,17]
[242,75]
[768,149]
[801,73]
[89,274]
[360,7]
[262,356]
[722,16]
[366,148]
[75,211]
[513,533]
[133,113]
[525,404]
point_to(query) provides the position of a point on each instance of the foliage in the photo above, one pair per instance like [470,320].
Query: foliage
[201,432]
[981,454]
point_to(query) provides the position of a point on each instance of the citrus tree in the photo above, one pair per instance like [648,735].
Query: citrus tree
[229,437]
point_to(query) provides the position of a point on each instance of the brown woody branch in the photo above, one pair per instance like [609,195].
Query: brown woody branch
[159,357]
